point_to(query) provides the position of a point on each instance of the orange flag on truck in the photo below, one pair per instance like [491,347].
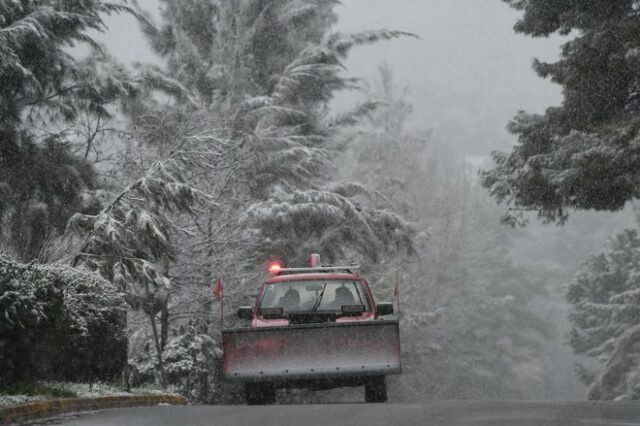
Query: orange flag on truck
[218,290]
[395,290]
[396,294]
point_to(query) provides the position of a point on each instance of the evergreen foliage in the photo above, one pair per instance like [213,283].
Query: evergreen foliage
[605,311]
[42,185]
[59,323]
[582,154]
[264,71]
[129,241]
[233,158]
[223,51]
[36,70]
[190,361]
[41,181]
[289,226]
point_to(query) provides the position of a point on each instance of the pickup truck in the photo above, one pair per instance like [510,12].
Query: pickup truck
[317,328]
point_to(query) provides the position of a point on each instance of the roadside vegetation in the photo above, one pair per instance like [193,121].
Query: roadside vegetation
[31,389]
[583,155]
[126,192]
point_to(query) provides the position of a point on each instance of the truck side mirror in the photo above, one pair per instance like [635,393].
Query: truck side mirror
[245,312]
[384,308]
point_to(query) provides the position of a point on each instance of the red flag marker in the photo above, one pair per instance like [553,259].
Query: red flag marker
[218,293]
[218,290]
[396,294]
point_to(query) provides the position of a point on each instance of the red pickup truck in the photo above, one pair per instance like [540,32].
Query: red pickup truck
[317,328]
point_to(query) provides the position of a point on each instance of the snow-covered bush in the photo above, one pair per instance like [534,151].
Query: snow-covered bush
[190,360]
[22,310]
[59,323]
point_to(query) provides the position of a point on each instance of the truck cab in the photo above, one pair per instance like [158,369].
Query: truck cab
[311,298]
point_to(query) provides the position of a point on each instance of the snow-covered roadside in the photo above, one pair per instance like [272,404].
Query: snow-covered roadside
[6,400]
[81,390]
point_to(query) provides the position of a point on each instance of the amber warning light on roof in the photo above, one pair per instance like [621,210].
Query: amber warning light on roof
[275,267]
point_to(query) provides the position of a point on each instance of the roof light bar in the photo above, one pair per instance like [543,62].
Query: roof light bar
[321,268]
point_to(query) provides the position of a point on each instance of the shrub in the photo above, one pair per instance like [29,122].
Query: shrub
[59,323]
[190,359]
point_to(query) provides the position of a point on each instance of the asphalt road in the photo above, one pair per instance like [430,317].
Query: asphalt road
[436,413]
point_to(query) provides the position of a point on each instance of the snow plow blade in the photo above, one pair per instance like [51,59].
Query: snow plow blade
[309,351]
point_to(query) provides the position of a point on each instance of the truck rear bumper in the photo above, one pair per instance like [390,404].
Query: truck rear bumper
[312,382]
[308,373]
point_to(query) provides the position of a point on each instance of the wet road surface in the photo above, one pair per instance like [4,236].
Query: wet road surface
[435,413]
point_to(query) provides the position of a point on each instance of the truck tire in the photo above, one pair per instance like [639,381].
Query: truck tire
[375,390]
[259,394]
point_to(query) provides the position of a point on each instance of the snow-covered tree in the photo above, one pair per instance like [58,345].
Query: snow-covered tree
[606,317]
[41,181]
[36,69]
[264,71]
[130,241]
[190,358]
[583,153]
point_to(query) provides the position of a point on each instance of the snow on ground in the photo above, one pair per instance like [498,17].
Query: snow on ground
[6,400]
[82,390]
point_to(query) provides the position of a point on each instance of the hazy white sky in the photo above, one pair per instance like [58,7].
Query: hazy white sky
[468,75]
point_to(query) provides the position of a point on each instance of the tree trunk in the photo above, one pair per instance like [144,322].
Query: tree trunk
[164,325]
[164,313]
[125,371]
[206,314]
[126,374]
[204,388]
[156,340]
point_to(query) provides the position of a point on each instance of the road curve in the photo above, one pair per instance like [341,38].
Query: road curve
[465,413]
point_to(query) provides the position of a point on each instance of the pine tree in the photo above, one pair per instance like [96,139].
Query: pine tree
[41,180]
[263,72]
[581,154]
[271,103]
[605,312]
[130,241]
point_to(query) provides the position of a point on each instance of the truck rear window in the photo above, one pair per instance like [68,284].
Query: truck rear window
[310,295]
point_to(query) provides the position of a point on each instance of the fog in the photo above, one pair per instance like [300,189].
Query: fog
[225,137]
[467,76]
